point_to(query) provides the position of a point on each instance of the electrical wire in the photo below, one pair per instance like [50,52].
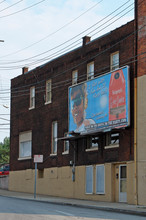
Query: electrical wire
[79,33]
[43,59]
[133,61]
[2,1]
[4,119]
[54,31]
[13,90]
[82,77]
[11,5]
[22,9]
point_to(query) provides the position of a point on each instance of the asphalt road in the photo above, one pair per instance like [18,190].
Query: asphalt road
[18,209]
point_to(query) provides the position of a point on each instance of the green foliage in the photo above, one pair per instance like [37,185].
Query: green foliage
[5,151]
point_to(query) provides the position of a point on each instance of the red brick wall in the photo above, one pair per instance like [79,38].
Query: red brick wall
[141,36]
[40,119]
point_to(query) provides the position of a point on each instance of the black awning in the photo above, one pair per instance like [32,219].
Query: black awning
[76,136]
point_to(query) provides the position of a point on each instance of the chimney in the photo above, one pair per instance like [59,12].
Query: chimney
[24,70]
[86,39]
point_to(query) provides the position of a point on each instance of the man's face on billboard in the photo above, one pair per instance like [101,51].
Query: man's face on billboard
[77,106]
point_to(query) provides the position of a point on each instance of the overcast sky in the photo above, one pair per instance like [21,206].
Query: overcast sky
[36,31]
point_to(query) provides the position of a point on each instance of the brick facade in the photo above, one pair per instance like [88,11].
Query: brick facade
[40,119]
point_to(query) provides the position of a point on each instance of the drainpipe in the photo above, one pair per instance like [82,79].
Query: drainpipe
[135,103]
[135,139]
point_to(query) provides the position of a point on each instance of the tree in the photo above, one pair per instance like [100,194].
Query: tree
[5,151]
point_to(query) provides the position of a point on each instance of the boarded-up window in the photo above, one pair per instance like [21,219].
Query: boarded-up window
[89,179]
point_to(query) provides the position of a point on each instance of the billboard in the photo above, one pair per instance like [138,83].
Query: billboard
[101,103]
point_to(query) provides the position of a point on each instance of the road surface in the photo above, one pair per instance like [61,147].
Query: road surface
[18,209]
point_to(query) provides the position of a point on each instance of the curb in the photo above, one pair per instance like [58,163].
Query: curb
[108,209]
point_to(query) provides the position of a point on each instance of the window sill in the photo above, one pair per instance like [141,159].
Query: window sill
[24,158]
[111,146]
[65,152]
[91,149]
[52,155]
[32,108]
[46,103]
[100,193]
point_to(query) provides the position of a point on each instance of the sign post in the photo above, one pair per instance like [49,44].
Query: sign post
[37,159]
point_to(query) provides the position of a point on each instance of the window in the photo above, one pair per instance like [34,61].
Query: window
[32,97]
[40,173]
[100,179]
[111,140]
[25,145]
[114,60]
[92,143]
[54,137]
[66,144]
[90,70]
[74,77]
[48,92]
[89,179]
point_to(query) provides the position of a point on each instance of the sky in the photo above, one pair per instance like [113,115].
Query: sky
[36,31]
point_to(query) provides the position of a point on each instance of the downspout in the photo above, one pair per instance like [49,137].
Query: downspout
[135,102]
[135,139]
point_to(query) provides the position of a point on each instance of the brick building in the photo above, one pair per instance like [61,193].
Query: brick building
[96,163]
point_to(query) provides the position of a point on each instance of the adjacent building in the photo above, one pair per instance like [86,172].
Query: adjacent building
[84,112]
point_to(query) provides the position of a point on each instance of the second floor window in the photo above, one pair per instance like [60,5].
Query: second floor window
[90,70]
[112,139]
[32,97]
[92,142]
[48,91]
[74,77]
[54,137]
[114,62]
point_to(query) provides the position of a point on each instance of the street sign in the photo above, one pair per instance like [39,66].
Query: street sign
[38,158]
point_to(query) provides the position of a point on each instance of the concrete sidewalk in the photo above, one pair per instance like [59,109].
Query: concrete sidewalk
[106,206]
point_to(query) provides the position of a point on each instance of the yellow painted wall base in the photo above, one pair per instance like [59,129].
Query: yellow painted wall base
[58,182]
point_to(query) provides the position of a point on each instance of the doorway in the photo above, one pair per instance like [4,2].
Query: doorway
[122,183]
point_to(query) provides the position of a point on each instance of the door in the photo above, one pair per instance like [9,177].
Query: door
[122,183]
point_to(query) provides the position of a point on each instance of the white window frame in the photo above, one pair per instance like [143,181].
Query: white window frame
[66,143]
[102,191]
[24,139]
[108,140]
[54,138]
[48,92]
[114,65]
[90,145]
[32,98]
[90,70]
[91,179]
[74,77]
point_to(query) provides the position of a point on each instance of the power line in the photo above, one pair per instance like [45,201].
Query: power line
[55,54]
[40,106]
[13,90]
[11,5]
[68,81]
[54,31]
[2,1]
[78,34]
[4,119]
[22,9]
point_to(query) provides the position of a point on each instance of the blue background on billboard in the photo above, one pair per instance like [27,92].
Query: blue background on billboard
[98,99]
